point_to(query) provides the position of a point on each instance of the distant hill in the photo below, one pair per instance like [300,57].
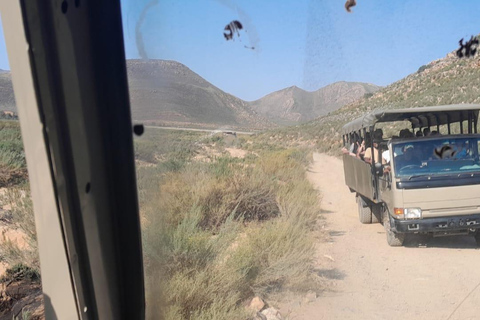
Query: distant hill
[294,105]
[449,80]
[7,98]
[169,93]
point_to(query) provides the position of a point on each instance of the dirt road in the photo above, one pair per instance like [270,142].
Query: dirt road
[200,130]
[429,278]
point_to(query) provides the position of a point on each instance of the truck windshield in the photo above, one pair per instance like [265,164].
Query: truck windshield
[442,156]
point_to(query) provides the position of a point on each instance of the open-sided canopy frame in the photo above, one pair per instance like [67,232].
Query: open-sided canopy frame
[418,117]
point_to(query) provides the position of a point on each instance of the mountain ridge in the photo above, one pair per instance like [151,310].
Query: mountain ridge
[294,105]
[444,81]
[168,93]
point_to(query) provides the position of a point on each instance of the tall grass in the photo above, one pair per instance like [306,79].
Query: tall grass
[12,157]
[157,145]
[216,234]
[20,217]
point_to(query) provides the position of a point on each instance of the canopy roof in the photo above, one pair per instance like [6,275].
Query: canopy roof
[418,117]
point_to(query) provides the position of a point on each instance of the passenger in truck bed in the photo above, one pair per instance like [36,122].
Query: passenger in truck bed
[354,146]
[377,137]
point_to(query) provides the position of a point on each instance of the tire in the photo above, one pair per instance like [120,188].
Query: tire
[377,213]
[393,239]
[364,211]
[477,238]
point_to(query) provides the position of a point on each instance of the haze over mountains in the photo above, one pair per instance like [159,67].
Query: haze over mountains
[294,105]
[168,93]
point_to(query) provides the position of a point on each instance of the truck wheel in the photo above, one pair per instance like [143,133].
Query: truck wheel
[477,238]
[377,213]
[393,239]
[364,211]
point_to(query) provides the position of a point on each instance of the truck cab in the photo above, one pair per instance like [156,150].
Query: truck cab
[419,184]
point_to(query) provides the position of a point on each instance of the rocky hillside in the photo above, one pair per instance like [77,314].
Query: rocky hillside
[7,99]
[168,93]
[294,105]
[445,81]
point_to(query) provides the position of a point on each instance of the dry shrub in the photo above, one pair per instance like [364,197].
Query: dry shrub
[217,234]
[21,217]
[237,190]
[245,195]
[276,255]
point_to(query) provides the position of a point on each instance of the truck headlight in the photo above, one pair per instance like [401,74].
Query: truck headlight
[413,213]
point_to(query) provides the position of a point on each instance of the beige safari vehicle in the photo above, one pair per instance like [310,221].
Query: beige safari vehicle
[425,184]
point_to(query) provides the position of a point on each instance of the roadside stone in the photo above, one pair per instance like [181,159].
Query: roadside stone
[310,296]
[272,314]
[257,304]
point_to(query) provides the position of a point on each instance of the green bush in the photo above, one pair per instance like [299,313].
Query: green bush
[20,271]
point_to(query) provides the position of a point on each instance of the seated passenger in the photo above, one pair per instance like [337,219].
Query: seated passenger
[408,157]
[378,134]
[361,149]
[386,156]
[426,132]
[386,160]
[418,134]
[405,134]
[352,150]
[368,152]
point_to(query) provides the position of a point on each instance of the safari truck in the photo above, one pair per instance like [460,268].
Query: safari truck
[426,181]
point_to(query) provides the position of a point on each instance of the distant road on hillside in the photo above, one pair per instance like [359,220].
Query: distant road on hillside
[200,130]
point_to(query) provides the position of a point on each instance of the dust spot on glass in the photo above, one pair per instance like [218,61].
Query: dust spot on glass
[138,129]
[138,33]
[349,4]
[248,26]
[469,49]
[64,7]
[233,27]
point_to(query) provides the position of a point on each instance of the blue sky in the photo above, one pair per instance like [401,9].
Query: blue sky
[307,43]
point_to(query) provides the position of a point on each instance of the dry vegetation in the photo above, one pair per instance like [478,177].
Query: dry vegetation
[16,206]
[217,229]
[20,288]
[220,230]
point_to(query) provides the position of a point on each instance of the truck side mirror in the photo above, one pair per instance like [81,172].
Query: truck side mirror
[378,169]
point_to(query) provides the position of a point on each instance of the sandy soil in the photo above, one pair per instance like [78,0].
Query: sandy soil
[236,153]
[428,278]
[12,235]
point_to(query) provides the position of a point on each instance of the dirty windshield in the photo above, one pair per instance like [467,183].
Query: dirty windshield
[244,209]
[442,156]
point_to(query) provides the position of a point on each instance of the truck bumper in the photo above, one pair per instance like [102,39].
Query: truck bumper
[440,224]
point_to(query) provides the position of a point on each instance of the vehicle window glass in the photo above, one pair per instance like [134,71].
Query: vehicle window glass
[244,106]
[246,208]
[436,157]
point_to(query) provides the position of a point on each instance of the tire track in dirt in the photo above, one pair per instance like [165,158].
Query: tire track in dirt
[428,278]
